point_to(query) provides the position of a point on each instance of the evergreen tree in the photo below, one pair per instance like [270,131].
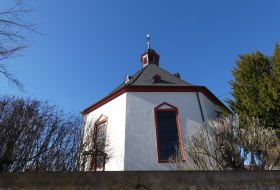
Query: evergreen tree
[275,88]
[256,88]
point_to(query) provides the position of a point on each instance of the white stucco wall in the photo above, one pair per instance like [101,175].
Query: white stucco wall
[140,144]
[131,126]
[115,111]
[209,108]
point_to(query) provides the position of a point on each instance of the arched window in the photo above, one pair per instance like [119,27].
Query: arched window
[168,133]
[99,143]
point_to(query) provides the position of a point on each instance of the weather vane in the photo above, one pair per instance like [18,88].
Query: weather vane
[148,38]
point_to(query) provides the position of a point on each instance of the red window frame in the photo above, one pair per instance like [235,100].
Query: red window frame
[170,108]
[100,120]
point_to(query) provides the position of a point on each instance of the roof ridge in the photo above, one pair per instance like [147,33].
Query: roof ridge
[138,75]
[173,75]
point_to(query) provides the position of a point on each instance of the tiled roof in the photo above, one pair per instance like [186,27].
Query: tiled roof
[144,77]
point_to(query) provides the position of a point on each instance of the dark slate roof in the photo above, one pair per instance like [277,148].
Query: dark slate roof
[144,77]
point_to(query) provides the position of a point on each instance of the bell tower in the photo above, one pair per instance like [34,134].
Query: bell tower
[149,56]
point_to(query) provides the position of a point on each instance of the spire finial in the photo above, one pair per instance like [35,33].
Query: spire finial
[148,38]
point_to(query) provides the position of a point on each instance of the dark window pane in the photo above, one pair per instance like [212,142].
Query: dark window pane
[100,144]
[167,134]
[100,136]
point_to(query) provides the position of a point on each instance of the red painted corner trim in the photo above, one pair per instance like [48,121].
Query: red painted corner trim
[124,89]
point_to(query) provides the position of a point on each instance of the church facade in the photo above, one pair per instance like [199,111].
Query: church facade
[146,119]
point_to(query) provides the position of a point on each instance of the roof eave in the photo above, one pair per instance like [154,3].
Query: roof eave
[141,88]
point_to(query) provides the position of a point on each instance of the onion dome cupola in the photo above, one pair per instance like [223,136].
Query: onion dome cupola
[149,56]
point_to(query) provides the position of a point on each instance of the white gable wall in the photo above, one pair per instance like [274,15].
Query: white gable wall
[115,111]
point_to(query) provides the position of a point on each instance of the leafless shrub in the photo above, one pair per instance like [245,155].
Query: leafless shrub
[34,136]
[222,144]
[263,144]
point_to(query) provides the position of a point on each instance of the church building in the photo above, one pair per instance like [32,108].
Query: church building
[145,120]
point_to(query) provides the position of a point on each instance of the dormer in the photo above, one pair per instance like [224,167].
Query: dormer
[157,79]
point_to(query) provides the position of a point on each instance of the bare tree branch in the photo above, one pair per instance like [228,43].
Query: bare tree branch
[14,36]
[94,149]
[34,136]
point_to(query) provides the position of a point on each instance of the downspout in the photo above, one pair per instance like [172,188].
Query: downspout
[199,103]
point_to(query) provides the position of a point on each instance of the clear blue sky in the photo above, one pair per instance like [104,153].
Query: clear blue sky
[88,46]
